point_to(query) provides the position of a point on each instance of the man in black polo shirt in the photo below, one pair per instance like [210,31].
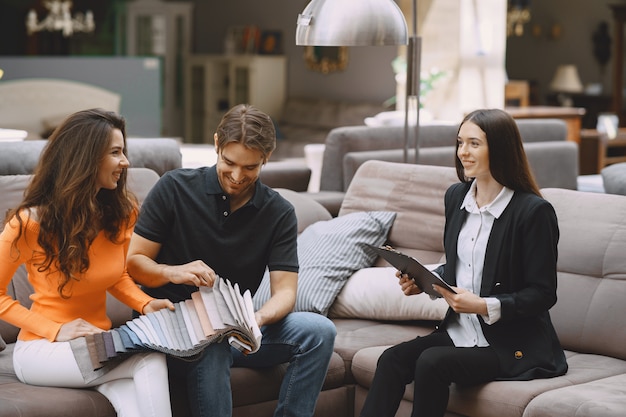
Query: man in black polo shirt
[199,223]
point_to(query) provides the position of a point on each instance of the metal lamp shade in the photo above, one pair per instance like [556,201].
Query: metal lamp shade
[351,23]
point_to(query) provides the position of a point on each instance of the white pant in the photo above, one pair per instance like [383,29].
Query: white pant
[137,387]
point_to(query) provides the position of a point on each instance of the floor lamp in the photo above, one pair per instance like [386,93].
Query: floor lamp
[364,23]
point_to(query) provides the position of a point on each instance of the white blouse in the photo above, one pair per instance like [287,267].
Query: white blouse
[464,329]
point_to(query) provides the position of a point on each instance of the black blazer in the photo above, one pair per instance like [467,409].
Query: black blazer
[519,270]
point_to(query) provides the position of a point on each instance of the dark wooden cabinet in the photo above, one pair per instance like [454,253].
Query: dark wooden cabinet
[594,104]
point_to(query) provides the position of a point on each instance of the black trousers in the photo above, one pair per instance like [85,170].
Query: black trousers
[433,363]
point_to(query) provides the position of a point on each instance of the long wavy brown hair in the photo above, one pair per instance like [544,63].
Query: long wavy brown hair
[507,159]
[64,195]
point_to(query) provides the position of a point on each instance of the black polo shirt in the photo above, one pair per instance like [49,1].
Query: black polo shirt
[188,213]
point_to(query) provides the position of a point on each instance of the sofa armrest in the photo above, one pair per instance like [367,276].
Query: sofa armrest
[308,211]
[330,200]
[285,174]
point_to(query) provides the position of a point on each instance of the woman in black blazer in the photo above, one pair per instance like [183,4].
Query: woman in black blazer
[500,242]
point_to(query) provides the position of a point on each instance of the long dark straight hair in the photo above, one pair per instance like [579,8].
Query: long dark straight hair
[507,160]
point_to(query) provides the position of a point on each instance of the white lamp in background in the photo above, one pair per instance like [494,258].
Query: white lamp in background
[566,81]
[365,23]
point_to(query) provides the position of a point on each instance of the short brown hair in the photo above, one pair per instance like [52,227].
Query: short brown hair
[249,126]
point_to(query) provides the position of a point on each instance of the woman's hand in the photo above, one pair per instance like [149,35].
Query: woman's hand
[463,301]
[76,328]
[156,305]
[407,284]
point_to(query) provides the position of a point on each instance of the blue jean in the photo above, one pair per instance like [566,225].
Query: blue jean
[304,340]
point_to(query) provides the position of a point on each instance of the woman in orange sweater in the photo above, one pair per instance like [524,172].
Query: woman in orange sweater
[71,232]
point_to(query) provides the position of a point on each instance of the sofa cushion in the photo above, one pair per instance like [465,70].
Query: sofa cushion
[605,397]
[329,252]
[2,344]
[416,193]
[374,293]
[501,398]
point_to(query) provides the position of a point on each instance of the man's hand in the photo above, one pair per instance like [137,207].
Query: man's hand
[146,271]
[156,305]
[195,273]
[463,301]
[407,284]
[76,328]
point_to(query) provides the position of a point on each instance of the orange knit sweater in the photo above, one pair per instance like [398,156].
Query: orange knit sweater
[107,272]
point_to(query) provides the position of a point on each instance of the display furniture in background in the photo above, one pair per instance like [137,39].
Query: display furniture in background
[572,116]
[136,80]
[372,22]
[597,150]
[594,105]
[162,29]
[517,93]
[38,105]
[215,83]
[566,81]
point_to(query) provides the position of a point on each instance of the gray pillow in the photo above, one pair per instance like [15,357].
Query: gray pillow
[2,344]
[329,252]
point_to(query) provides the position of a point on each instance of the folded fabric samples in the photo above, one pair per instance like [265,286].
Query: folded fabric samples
[210,315]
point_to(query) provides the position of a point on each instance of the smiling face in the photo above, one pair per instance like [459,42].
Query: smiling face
[238,168]
[473,151]
[113,163]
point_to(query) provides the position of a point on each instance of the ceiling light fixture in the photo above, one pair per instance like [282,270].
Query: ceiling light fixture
[60,19]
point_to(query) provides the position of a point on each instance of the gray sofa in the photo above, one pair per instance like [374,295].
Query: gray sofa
[307,120]
[553,159]
[371,313]
[587,316]
[157,154]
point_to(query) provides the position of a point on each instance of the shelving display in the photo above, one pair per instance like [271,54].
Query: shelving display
[215,83]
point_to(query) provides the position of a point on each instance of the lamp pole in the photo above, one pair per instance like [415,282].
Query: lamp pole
[413,70]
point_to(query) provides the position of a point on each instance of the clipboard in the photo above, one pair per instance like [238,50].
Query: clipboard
[413,268]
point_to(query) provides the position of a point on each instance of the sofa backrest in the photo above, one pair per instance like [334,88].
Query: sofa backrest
[140,181]
[591,306]
[554,164]
[346,139]
[158,154]
[343,140]
[415,193]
